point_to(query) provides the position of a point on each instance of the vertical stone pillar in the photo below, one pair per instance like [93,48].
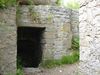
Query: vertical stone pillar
[90,37]
[8,45]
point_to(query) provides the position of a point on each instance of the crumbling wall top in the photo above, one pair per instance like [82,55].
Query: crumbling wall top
[37,2]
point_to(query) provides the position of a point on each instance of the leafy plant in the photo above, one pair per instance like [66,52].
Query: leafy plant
[75,43]
[6,3]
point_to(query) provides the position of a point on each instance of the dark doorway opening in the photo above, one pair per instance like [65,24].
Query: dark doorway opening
[29,48]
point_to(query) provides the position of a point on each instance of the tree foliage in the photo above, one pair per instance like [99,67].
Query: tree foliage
[6,3]
[72,4]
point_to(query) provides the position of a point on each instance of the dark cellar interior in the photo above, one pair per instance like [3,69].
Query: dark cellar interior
[29,48]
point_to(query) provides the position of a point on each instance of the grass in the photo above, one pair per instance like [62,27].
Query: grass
[68,59]
[50,63]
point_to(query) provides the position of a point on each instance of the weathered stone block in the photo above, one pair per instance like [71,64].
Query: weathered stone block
[8,47]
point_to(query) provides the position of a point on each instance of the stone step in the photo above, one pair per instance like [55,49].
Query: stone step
[31,71]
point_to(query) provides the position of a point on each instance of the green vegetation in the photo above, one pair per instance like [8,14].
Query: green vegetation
[58,2]
[35,17]
[71,4]
[75,44]
[19,67]
[7,3]
[20,72]
[50,17]
[30,2]
[68,59]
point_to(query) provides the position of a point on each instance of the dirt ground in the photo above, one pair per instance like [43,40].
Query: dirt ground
[71,69]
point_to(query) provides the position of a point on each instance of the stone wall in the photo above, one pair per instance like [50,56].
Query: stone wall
[75,23]
[57,36]
[56,20]
[44,2]
[90,37]
[37,2]
[8,41]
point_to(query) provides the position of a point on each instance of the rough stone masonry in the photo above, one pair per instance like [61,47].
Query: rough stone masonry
[57,35]
[89,30]
[8,47]
[56,20]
